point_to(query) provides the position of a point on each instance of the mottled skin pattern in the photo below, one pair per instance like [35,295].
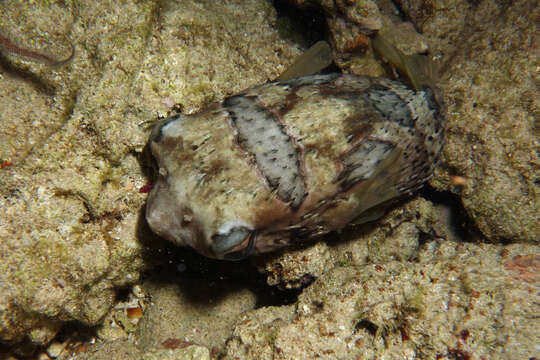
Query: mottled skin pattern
[286,161]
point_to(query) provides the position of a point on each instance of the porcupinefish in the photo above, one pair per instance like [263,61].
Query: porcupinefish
[289,160]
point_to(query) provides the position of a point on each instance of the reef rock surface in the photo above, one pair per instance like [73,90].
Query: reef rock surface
[72,137]
[421,282]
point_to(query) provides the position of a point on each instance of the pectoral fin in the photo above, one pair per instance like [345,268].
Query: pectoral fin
[382,185]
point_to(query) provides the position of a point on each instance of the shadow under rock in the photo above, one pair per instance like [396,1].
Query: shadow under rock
[167,263]
[459,220]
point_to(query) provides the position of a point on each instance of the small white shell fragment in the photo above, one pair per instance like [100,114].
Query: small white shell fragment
[290,160]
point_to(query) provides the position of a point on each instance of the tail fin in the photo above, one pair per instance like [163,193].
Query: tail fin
[420,70]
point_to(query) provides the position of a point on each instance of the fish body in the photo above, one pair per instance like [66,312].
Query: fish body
[286,161]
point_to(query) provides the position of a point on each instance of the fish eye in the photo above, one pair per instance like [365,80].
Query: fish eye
[236,244]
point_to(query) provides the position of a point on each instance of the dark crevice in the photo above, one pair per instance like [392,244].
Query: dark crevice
[403,15]
[305,25]
[460,221]
[74,333]
[122,294]
[367,325]
[424,238]
[39,84]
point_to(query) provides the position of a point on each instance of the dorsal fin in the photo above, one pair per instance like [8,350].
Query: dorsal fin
[311,62]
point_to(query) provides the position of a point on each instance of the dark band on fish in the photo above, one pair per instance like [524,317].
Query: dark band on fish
[274,152]
[390,105]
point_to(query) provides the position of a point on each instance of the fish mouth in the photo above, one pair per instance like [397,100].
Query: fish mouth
[237,244]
